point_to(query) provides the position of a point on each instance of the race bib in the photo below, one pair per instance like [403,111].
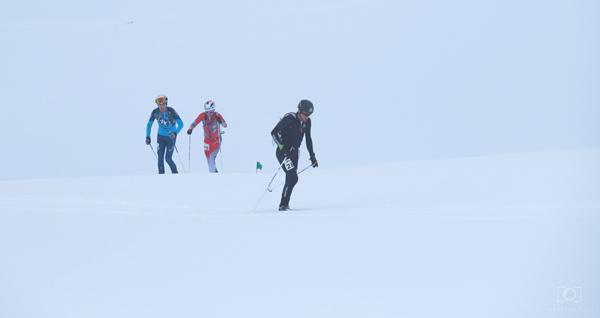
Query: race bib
[289,165]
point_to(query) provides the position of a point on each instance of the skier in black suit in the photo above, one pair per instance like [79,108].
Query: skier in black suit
[288,135]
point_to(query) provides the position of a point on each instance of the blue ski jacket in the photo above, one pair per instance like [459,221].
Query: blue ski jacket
[168,122]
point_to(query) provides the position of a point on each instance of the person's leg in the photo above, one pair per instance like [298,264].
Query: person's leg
[170,145]
[212,161]
[291,178]
[160,150]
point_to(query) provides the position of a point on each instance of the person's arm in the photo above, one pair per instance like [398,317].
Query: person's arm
[195,123]
[178,122]
[221,120]
[150,123]
[281,125]
[149,128]
[309,144]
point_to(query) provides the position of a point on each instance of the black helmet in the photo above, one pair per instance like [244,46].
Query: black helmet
[306,106]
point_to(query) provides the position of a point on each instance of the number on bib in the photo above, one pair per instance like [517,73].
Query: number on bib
[289,165]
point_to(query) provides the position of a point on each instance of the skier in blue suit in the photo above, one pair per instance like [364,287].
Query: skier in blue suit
[169,125]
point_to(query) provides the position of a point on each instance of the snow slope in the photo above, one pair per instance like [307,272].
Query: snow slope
[498,236]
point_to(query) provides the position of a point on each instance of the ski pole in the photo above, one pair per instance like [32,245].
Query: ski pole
[304,169]
[179,158]
[271,190]
[155,156]
[190,155]
[280,165]
[267,189]
[277,186]
[220,144]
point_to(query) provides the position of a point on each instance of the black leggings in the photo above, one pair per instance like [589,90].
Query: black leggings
[291,175]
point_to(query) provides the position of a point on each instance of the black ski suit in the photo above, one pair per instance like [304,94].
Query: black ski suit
[288,135]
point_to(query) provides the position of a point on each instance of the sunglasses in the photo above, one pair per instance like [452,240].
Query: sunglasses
[161,100]
[305,114]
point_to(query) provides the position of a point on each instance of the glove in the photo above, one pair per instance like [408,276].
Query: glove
[314,162]
[189,132]
[219,120]
[172,135]
[148,141]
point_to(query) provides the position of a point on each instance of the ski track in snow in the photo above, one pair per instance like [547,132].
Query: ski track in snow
[495,187]
[64,206]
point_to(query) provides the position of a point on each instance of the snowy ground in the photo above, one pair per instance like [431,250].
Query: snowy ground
[501,236]
[91,231]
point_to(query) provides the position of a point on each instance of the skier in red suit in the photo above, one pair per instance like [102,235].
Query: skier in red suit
[210,120]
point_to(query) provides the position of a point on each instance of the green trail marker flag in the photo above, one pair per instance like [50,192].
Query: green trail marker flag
[258,166]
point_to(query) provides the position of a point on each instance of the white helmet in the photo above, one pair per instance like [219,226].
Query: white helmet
[161,99]
[209,106]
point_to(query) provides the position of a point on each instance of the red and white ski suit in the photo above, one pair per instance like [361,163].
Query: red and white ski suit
[212,137]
